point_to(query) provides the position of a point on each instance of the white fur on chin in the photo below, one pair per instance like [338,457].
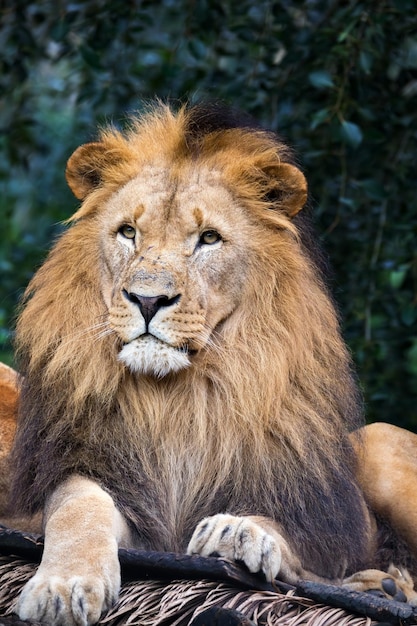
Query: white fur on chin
[152,357]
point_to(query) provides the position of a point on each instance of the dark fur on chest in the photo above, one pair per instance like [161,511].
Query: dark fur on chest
[320,520]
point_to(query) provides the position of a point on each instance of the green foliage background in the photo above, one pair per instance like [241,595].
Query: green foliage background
[337,79]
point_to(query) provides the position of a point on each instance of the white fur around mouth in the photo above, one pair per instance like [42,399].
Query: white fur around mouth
[150,356]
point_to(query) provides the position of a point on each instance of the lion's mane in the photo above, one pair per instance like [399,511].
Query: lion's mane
[258,426]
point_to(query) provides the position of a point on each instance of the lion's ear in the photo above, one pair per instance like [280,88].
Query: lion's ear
[287,188]
[84,168]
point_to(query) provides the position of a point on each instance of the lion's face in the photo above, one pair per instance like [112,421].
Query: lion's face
[181,217]
[174,265]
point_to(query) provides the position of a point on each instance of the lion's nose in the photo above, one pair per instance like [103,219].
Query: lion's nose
[150,305]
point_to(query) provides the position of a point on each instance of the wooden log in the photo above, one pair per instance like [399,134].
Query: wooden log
[149,565]
[378,609]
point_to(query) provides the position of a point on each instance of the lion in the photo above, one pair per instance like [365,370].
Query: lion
[185,385]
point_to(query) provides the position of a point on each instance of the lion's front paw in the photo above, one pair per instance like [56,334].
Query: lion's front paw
[76,600]
[237,539]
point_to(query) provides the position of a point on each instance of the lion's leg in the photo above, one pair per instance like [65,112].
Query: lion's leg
[387,474]
[79,576]
[256,541]
[9,396]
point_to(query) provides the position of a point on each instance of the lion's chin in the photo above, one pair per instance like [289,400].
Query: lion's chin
[152,357]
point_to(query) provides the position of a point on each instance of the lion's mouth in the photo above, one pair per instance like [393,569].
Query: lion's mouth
[184,348]
[150,356]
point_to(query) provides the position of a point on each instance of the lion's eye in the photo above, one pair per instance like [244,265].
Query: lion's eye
[127,231]
[209,237]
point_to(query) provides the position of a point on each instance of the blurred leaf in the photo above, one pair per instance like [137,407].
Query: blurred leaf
[319,118]
[409,315]
[351,133]
[91,57]
[197,48]
[410,53]
[346,32]
[397,277]
[350,202]
[373,189]
[366,61]
[321,79]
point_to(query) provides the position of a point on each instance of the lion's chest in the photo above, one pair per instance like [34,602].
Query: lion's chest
[177,490]
[186,466]
[181,491]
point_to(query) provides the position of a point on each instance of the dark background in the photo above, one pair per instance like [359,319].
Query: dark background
[338,80]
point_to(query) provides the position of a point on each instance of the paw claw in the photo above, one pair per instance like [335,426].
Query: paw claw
[237,539]
[76,601]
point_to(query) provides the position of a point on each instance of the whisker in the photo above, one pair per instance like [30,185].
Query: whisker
[104,333]
[102,328]
[207,342]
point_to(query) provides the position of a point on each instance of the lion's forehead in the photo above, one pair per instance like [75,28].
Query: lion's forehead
[191,198]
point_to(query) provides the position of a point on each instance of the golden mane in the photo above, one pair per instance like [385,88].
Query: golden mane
[261,418]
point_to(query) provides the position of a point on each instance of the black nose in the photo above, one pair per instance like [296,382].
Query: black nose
[150,305]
